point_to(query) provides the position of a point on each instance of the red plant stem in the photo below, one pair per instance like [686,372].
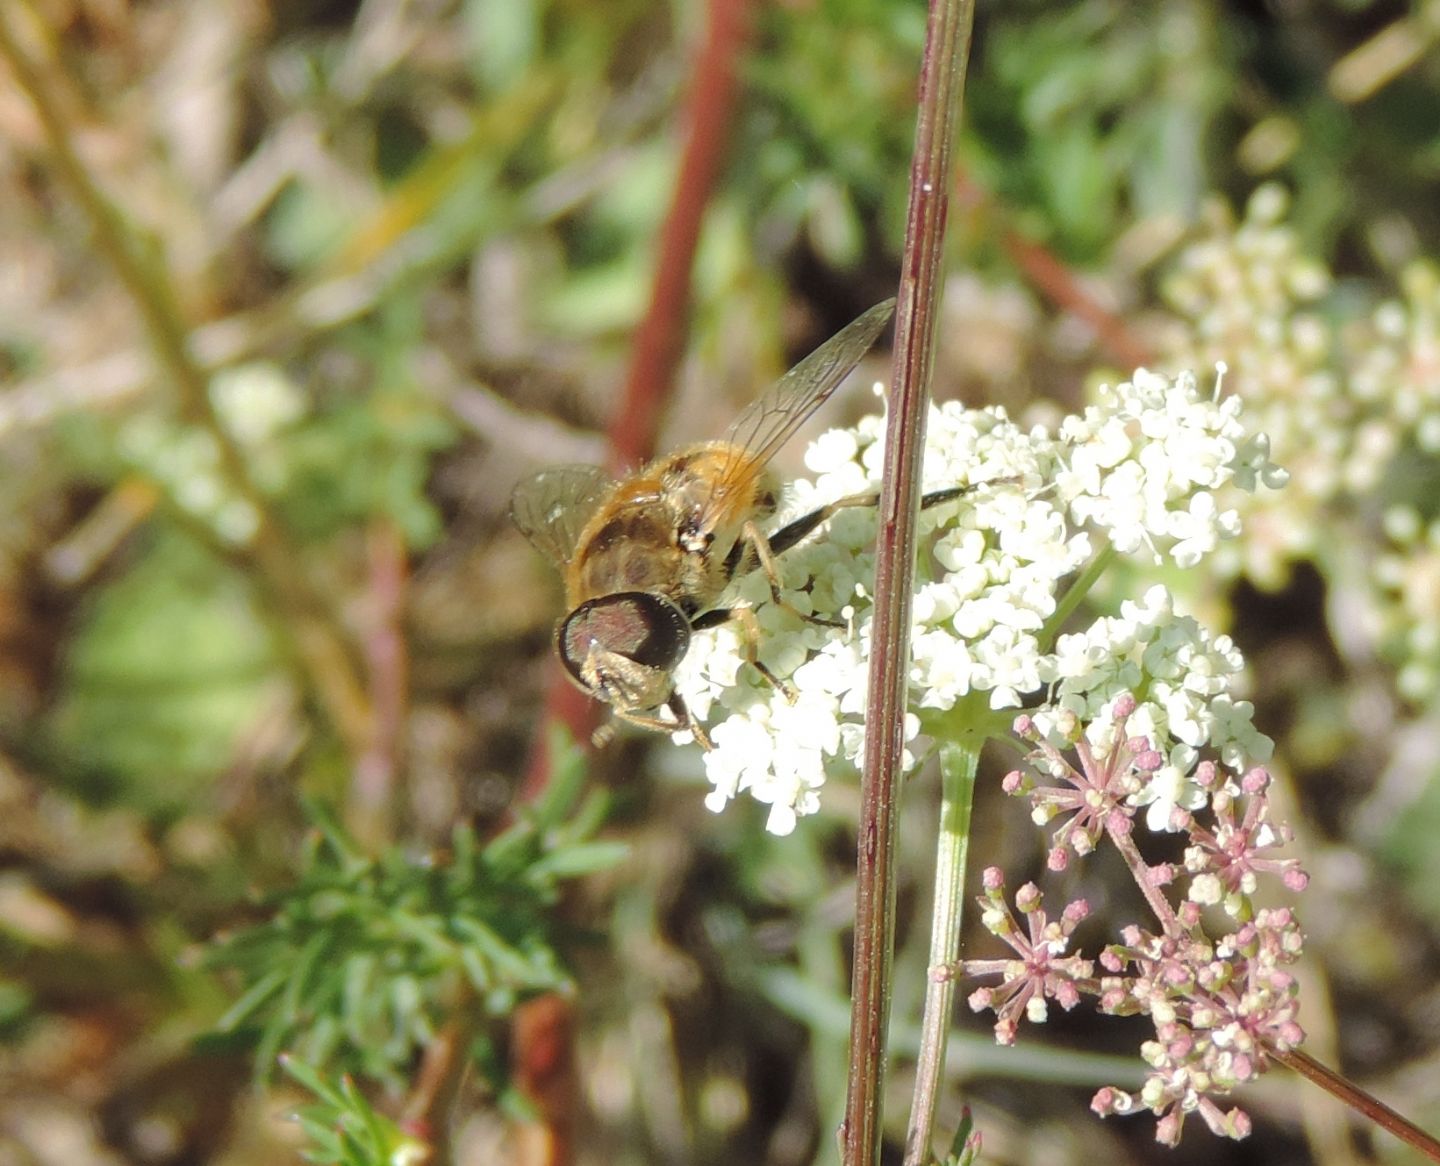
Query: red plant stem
[544,1035]
[543,1064]
[1360,1101]
[377,769]
[567,705]
[942,75]
[1058,284]
[437,1085]
[660,337]
[1054,280]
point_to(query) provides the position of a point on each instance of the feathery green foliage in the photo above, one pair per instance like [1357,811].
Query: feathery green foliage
[358,962]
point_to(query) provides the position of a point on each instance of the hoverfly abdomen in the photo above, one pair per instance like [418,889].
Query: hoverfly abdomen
[630,550]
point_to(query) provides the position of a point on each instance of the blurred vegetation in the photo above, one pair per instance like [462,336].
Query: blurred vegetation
[405,245]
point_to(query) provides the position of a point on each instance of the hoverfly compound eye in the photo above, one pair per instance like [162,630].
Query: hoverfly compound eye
[639,625]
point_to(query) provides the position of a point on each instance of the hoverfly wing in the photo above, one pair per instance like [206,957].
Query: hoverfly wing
[769,422]
[552,506]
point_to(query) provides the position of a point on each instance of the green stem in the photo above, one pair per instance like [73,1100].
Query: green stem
[958,763]
[1074,596]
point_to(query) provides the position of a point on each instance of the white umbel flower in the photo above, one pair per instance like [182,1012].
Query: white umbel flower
[1140,469]
[1148,459]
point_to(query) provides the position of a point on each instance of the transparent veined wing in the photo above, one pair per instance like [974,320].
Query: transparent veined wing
[769,422]
[552,506]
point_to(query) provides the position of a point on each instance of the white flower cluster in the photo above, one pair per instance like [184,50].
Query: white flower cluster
[1400,373]
[1396,364]
[1139,468]
[1407,578]
[1147,460]
[1185,680]
[1351,401]
[1339,393]
[1245,293]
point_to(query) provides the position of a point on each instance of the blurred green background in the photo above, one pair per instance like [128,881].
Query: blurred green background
[401,247]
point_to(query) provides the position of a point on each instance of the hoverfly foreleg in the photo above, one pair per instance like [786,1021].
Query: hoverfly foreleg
[683,721]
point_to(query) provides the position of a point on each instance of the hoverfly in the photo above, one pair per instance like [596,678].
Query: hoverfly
[645,559]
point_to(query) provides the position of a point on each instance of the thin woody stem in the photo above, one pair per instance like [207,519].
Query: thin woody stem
[942,75]
[1360,1101]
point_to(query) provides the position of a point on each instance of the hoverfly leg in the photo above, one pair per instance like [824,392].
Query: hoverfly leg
[799,529]
[766,551]
[765,555]
[684,722]
[682,714]
[750,638]
[949,494]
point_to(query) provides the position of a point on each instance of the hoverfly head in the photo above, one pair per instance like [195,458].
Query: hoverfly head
[622,648]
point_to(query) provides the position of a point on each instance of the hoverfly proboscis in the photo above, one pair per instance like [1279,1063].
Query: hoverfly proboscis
[646,558]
